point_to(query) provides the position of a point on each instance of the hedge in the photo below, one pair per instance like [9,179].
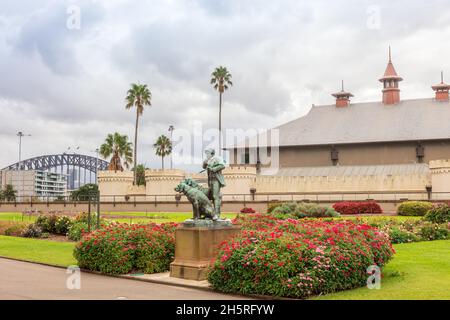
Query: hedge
[357,207]
[414,208]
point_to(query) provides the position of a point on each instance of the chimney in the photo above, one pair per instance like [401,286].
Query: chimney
[342,97]
[390,80]
[441,89]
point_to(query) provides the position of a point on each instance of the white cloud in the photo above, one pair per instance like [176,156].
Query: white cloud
[67,87]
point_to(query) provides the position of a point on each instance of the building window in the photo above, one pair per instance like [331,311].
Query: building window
[420,153]
[334,156]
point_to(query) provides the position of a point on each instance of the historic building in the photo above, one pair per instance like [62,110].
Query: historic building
[391,131]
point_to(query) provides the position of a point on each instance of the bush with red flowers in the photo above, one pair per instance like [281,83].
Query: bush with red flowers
[298,258]
[122,248]
[247,210]
[357,207]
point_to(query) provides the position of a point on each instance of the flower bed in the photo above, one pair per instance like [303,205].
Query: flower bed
[247,210]
[410,230]
[298,258]
[357,207]
[123,248]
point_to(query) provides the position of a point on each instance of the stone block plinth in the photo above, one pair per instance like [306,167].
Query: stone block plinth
[195,249]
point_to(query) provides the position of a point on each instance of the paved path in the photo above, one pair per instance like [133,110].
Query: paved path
[22,280]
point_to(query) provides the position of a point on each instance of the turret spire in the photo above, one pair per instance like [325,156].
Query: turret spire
[390,80]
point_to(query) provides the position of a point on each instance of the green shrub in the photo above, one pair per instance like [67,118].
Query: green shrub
[398,235]
[439,214]
[273,205]
[312,210]
[303,210]
[47,222]
[433,231]
[284,210]
[122,248]
[62,225]
[32,231]
[414,208]
[76,231]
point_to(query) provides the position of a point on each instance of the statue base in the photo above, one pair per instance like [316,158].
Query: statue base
[196,248]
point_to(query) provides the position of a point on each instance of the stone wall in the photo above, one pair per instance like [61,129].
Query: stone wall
[240,180]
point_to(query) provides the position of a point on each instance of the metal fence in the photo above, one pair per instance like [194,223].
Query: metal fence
[244,198]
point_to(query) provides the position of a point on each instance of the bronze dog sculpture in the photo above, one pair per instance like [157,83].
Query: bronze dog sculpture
[197,195]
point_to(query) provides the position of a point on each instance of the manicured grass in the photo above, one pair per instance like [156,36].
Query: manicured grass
[134,217]
[419,270]
[44,251]
[16,216]
[160,217]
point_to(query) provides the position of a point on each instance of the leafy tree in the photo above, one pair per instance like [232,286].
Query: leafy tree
[119,147]
[163,148]
[140,175]
[138,96]
[221,81]
[9,194]
[84,192]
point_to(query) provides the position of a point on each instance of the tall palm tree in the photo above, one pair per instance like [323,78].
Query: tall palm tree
[163,148]
[138,96]
[119,147]
[221,81]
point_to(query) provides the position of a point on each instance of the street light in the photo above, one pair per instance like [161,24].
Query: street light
[171,128]
[20,134]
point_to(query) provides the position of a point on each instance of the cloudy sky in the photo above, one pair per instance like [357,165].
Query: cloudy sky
[63,80]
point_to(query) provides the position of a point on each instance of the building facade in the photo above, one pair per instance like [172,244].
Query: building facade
[35,183]
[391,131]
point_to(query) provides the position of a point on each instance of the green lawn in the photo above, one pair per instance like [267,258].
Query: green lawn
[132,217]
[44,251]
[419,270]
[15,216]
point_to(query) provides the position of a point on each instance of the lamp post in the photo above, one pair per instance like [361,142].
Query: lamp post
[20,134]
[171,128]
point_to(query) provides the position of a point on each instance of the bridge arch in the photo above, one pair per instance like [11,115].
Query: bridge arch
[63,163]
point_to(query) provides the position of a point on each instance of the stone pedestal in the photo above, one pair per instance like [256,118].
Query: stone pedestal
[196,247]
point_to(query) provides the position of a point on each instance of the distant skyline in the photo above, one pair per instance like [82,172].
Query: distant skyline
[66,86]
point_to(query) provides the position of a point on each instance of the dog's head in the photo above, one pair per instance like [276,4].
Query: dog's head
[181,187]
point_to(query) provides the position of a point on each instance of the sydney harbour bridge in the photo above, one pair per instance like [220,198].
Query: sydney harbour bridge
[80,169]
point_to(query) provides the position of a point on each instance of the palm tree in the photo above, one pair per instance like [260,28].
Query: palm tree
[221,81]
[140,175]
[138,96]
[119,147]
[163,147]
[9,194]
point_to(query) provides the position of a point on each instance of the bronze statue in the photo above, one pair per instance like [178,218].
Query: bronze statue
[214,165]
[206,201]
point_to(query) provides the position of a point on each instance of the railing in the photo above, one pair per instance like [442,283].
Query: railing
[242,198]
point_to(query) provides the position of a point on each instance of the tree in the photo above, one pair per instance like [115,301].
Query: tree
[140,175]
[163,148]
[9,194]
[138,96]
[84,192]
[221,81]
[119,147]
